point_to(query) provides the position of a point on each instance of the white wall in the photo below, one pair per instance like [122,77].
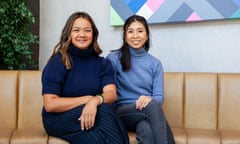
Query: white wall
[190,47]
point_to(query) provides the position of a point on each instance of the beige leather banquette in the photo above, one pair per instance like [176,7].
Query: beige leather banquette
[202,108]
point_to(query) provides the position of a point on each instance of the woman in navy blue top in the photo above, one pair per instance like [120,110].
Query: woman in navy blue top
[79,87]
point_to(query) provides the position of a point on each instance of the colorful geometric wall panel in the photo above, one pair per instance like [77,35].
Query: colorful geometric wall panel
[168,11]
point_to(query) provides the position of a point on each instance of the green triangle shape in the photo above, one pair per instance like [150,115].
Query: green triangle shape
[115,19]
[236,14]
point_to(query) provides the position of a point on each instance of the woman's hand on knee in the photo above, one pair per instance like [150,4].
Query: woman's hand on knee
[143,101]
[88,116]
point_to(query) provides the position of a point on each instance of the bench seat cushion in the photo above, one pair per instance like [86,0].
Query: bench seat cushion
[8,104]
[203,136]
[230,136]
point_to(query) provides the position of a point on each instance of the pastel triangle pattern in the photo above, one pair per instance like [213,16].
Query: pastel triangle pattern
[168,11]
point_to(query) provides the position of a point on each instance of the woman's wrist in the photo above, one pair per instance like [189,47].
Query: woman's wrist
[101,97]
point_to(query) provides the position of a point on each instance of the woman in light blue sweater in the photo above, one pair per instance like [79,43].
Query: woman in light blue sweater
[140,89]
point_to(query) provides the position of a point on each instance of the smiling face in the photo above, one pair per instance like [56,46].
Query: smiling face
[82,33]
[136,35]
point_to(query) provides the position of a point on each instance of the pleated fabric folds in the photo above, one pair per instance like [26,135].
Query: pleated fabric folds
[108,128]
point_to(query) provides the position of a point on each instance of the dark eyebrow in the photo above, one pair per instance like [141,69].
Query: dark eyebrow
[140,28]
[76,27]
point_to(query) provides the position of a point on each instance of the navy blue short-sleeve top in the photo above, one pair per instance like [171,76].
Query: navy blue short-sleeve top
[88,75]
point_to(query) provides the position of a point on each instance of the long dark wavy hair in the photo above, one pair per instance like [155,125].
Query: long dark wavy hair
[63,45]
[125,57]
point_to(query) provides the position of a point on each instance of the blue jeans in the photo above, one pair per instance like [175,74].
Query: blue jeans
[150,124]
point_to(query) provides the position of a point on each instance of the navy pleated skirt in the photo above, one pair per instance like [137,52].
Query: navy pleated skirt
[108,129]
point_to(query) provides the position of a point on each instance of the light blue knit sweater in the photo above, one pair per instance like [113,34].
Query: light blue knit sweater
[144,78]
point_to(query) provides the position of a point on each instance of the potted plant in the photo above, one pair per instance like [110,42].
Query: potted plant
[15,35]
